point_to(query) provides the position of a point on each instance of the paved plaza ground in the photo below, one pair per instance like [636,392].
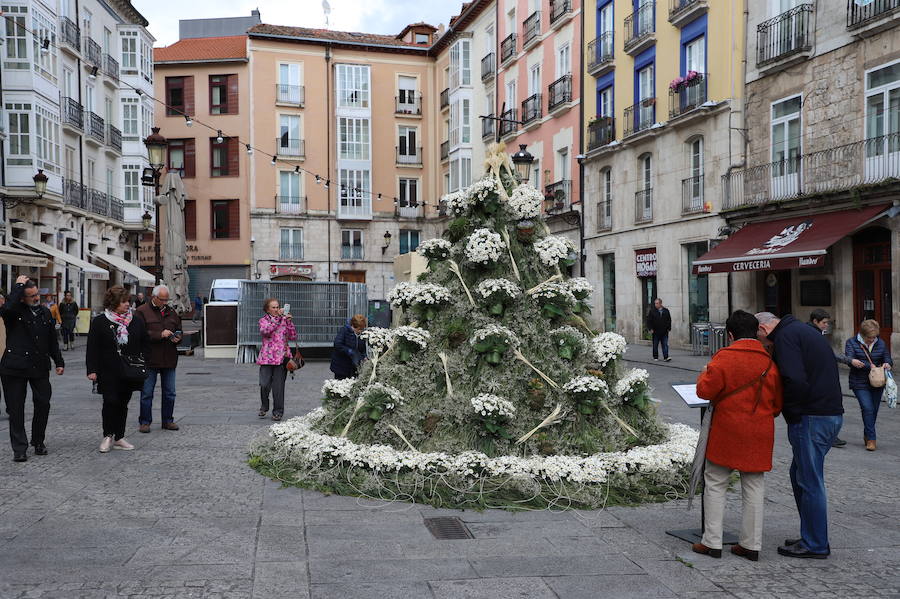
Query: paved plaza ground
[184,516]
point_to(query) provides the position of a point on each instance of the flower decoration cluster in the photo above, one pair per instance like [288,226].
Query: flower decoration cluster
[587,385]
[494,331]
[481,190]
[435,249]
[457,202]
[380,398]
[606,347]
[486,404]
[489,288]
[413,335]
[338,388]
[484,246]
[404,294]
[633,382]
[377,338]
[554,248]
[553,291]
[525,202]
[580,287]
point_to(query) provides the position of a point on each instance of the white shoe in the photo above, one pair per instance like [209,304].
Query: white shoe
[106,444]
[123,445]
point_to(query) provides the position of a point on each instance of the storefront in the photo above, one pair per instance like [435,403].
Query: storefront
[645,269]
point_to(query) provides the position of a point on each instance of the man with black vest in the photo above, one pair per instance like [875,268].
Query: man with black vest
[31,343]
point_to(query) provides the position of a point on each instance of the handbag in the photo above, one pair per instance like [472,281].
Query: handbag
[133,369]
[295,361]
[876,373]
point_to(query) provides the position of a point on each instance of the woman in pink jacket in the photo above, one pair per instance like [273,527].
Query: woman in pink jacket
[276,328]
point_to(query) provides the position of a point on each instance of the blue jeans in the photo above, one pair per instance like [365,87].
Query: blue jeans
[168,395]
[869,399]
[660,339]
[810,439]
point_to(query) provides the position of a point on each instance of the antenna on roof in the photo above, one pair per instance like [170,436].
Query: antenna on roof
[326,8]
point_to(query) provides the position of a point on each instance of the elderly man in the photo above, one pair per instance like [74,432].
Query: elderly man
[814,414]
[31,343]
[164,328]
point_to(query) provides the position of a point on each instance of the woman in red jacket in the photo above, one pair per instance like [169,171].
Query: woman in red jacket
[744,387]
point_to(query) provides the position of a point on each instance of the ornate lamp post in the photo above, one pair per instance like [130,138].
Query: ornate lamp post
[522,161]
[156,150]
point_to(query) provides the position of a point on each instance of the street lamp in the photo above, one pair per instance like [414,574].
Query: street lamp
[40,188]
[386,243]
[146,220]
[156,152]
[40,183]
[522,161]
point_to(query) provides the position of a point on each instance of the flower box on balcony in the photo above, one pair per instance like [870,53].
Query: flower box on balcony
[648,102]
[680,82]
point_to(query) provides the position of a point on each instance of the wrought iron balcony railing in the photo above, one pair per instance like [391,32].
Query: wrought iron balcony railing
[114,138]
[560,92]
[640,25]
[116,208]
[409,155]
[70,33]
[92,53]
[531,108]
[643,206]
[95,126]
[531,28]
[111,67]
[352,252]
[488,66]
[681,9]
[508,47]
[509,124]
[688,95]
[72,113]
[445,150]
[445,98]
[290,251]
[786,35]
[287,146]
[488,127]
[291,204]
[860,16]
[601,131]
[290,94]
[604,215]
[600,52]
[640,116]
[99,203]
[559,9]
[408,104]
[692,195]
[558,197]
[74,194]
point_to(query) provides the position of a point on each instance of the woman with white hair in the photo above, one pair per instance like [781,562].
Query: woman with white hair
[868,354]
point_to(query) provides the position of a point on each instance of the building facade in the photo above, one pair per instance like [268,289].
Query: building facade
[663,123]
[76,101]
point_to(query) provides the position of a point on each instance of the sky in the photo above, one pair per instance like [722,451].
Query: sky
[368,16]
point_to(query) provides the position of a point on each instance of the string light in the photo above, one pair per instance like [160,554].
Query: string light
[187,120]
[93,73]
[273,161]
[249,150]
[45,46]
[219,138]
[297,169]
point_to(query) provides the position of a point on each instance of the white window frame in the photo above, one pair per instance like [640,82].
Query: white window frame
[44,27]
[563,60]
[605,106]
[354,138]
[131,184]
[695,168]
[605,213]
[407,141]
[352,85]
[354,187]
[534,80]
[292,126]
[786,169]
[47,138]
[408,234]
[129,41]
[461,64]
[18,129]
[16,46]
[291,239]
[882,139]
[353,238]
[408,195]
[130,119]
[290,74]
[290,191]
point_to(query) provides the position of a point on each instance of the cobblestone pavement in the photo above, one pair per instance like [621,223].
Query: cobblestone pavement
[183,516]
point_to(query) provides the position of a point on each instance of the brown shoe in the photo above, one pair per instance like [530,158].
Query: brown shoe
[750,554]
[701,548]
[169,426]
[144,428]
[870,445]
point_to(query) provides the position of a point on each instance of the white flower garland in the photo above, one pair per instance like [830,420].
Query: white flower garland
[338,388]
[489,287]
[405,294]
[525,202]
[377,338]
[580,287]
[553,248]
[414,335]
[484,246]
[486,404]
[551,290]
[607,346]
[481,189]
[394,397]
[494,330]
[586,384]
[435,249]
[566,332]
[296,439]
[633,381]
[457,202]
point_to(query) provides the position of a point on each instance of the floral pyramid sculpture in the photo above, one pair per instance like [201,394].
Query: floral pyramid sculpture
[495,392]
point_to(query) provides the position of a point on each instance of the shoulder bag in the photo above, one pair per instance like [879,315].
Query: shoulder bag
[133,369]
[296,361]
[877,378]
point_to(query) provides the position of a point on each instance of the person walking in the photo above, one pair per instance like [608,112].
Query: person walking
[68,313]
[164,328]
[198,309]
[114,335]
[31,343]
[659,321]
[276,329]
[821,320]
[867,352]
[814,413]
[744,387]
[349,349]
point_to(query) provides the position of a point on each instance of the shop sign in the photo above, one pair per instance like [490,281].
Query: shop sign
[645,262]
[300,270]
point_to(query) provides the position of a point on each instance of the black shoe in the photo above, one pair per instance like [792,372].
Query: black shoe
[276,416]
[838,442]
[798,550]
[789,542]
[40,449]
[20,457]
[668,359]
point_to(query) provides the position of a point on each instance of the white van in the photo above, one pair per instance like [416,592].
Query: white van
[225,290]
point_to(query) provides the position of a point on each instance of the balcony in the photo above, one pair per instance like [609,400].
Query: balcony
[560,94]
[560,12]
[290,251]
[98,202]
[531,109]
[601,131]
[682,12]
[111,67]
[531,30]
[510,122]
[604,215]
[508,48]
[869,162]
[445,150]
[408,156]
[290,95]
[687,94]
[69,34]
[784,40]
[640,28]
[488,127]
[96,128]
[601,57]
[93,55]
[352,252]
[643,206]
[291,204]
[558,197]
[288,147]
[74,194]
[353,205]
[409,105]
[72,114]
[445,98]
[114,139]
[878,15]
[116,209]
[409,209]
[640,117]
[692,195]
[488,67]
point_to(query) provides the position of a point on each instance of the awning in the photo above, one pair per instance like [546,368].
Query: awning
[90,271]
[143,277]
[796,242]
[20,257]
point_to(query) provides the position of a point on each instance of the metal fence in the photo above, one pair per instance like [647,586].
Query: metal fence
[319,310]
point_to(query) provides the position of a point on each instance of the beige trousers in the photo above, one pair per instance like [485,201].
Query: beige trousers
[753,490]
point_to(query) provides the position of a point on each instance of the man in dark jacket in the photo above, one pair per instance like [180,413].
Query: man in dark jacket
[68,313]
[814,414]
[31,342]
[659,321]
[821,320]
[164,328]
[349,350]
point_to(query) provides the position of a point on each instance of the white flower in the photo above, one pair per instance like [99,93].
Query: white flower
[489,287]
[553,248]
[405,294]
[379,391]
[607,346]
[414,335]
[480,190]
[567,332]
[494,330]
[484,246]
[435,249]
[551,290]
[580,287]
[486,404]
[634,381]
[377,338]
[525,202]
[457,202]
[586,384]
[338,388]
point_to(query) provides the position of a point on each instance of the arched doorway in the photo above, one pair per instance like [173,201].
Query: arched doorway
[291,278]
[872,295]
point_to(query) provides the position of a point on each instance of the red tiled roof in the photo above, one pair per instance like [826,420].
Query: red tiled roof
[373,39]
[203,49]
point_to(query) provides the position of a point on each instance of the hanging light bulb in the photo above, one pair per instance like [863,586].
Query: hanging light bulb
[187,120]
[219,138]
[45,46]
[327,183]
[273,161]
[318,180]
[297,169]
[249,150]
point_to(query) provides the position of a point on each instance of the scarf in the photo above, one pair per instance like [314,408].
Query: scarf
[121,321]
[859,338]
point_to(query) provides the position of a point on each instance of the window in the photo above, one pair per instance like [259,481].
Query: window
[604,213]
[605,102]
[47,130]
[223,94]
[353,138]
[645,164]
[466,120]
[289,134]
[289,83]
[609,291]
[354,191]
[694,189]
[225,219]
[511,97]
[563,60]
[109,181]
[132,174]
[182,157]
[130,117]
[698,285]
[289,194]
[409,240]
[19,130]
[147,68]
[644,197]
[534,80]
[351,244]
[646,114]
[352,86]
[883,119]
[406,94]
[562,164]
[146,121]
[179,96]
[224,157]
[460,173]
[44,28]
[291,244]
[786,143]
[460,64]
[422,38]
[190,219]
[409,193]
[16,37]
[129,50]
[695,55]
[406,145]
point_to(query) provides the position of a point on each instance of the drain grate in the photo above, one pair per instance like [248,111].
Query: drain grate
[447,527]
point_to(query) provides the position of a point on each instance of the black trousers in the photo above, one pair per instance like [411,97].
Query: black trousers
[115,411]
[271,380]
[14,389]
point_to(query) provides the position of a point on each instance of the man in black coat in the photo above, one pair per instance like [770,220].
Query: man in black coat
[30,344]
[659,321]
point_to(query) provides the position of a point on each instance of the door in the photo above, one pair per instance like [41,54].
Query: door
[648,294]
[563,61]
[872,293]
[777,292]
[646,113]
[352,276]
[785,148]
[605,32]
[694,60]
[695,185]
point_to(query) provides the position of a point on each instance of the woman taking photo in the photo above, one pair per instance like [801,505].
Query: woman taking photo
[113,336]
[276,329]
[867,351]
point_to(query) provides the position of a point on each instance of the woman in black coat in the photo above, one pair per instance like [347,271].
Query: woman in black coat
[114,333]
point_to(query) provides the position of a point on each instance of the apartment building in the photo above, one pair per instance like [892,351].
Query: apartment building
[69,111]
[207,120]
[812,211]
[663,102]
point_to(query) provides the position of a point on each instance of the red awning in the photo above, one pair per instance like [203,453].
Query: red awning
[796,242]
